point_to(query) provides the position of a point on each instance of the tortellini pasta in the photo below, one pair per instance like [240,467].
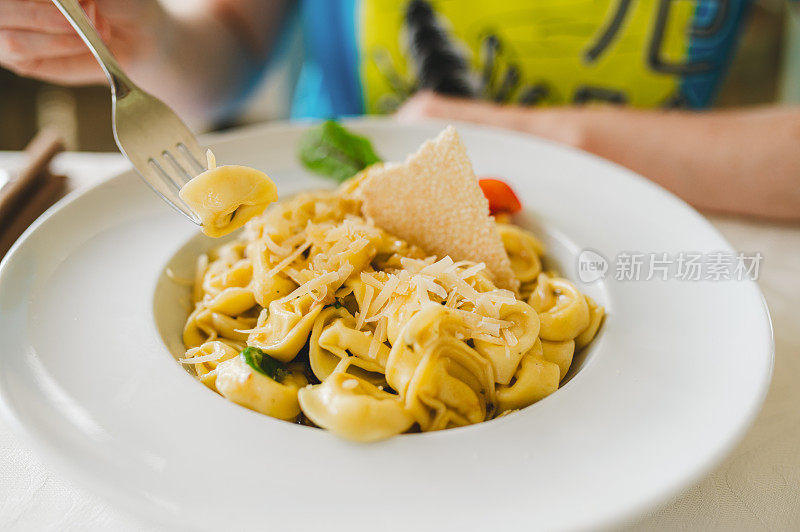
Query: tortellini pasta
[596,313]
[243,385]
[524,251]
[283,328]
[354,408]
[535,379]
[444,382]
[335,339]
[232,301]
[523,330]
[205,370]
[319,317]
[559,353]
[563,311]
[268,288]
[205,325]
[226,197]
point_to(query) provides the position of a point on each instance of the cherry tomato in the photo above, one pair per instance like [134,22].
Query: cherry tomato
[501,198]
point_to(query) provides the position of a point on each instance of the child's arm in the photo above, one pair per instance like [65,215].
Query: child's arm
[743,162]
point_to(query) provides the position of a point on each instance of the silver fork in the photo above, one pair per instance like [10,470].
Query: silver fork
[158,144]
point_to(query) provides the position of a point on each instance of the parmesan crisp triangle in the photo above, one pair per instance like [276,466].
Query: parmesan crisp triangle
[433,200]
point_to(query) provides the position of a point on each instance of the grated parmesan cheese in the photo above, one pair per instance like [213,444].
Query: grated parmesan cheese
[377,339]
[509,337]
[369,291]
[314,284]
[386,293]
[201,359]
[288,260]
[275,248]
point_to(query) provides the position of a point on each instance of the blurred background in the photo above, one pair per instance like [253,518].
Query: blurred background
[765,69]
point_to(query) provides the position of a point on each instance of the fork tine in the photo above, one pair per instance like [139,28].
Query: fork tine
[170,196]
[159,145]
[165,176]
[175,164]
[143,124]
[189,156]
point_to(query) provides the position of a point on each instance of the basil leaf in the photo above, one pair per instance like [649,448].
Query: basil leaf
[331,150]
[264,364]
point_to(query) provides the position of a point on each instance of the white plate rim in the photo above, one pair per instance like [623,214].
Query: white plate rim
[118,495]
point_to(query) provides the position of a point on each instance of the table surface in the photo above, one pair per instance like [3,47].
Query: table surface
[757,487]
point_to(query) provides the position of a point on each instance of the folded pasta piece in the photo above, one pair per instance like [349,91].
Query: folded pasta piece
[232,301]
[228,269]
[205,359]
[282,330]
[523,251]
[335,337]
[596,314]
[267,288]
[226,197]
[522,333]
[535,379]
[237,381]
[443,381]
[204,325]
[433,200]
[559,353]
[354,409]
[563,310]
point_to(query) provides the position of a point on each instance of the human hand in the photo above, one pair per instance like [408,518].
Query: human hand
[561,124]
[37,41]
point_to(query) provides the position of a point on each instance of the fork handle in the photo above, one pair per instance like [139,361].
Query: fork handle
[119,81]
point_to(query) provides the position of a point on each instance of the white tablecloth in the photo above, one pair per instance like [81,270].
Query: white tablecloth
[756,488]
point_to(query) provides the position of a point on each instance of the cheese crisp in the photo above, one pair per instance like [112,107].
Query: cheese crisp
[433,199]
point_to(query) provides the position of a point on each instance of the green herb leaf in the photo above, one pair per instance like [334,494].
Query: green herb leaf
[335,304]
[331,150]
[264,364]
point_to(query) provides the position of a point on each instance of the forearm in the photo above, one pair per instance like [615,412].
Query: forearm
[195,65]
[202,63]
[737,162]
[744,162]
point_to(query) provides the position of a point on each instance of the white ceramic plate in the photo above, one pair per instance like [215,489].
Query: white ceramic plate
[677,374]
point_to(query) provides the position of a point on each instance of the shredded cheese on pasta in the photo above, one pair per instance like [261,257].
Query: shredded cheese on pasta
[423,340]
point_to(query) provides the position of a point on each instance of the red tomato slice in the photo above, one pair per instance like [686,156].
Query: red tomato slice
[501,197]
